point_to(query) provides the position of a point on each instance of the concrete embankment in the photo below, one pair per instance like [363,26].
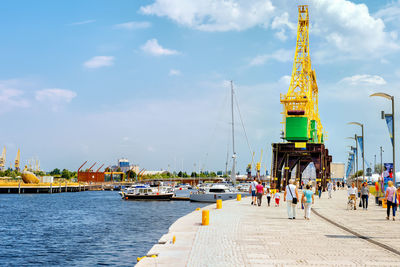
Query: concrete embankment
[243,235]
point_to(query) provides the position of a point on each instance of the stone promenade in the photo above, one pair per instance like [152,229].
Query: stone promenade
[243,235]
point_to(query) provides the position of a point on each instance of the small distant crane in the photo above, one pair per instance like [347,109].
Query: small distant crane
[249,166]
[3,159]
[17,160]
[258,166]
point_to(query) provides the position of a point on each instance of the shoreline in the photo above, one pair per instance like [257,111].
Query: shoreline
[184,231]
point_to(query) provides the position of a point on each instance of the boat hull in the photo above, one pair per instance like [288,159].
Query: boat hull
[148,197]
[212,197]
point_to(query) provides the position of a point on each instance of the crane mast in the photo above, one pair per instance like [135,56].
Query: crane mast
[301,115]
[17,160]
[3,159]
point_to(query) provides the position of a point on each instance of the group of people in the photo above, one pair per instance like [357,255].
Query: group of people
[392,197]
[290,196]
[257,191]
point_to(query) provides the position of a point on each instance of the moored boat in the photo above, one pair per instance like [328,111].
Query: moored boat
[145,192]
[216,191]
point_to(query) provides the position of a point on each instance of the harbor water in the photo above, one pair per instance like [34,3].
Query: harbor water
[82,229]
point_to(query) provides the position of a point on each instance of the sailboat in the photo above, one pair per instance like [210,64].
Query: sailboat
[221,190]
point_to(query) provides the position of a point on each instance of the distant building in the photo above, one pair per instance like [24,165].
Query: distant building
[337,171]
[123,164]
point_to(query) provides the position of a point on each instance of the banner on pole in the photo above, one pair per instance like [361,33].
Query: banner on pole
[389,122]
[387,174]
[360,143]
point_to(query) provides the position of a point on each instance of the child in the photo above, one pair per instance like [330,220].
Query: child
[268,196]
[277,196]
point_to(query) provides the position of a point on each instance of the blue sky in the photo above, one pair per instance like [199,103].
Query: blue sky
[147,80]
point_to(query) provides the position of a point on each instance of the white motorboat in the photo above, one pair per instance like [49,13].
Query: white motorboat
[145,192]
[216,191]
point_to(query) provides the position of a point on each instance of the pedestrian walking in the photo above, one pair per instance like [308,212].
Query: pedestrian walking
[391,199]
[268,193]
[329,187]
[365,195]
[291,195]
[253,191]
[352,194]
[319,188]
[307,199]
[260,192]
[277,197]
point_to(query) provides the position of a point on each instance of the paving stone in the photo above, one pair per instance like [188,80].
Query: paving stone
[243,235]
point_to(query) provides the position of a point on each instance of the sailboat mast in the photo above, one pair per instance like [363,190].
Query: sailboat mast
[233,173]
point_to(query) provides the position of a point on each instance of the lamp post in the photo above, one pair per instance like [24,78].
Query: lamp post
[356,157]
[390,97]
[363,146]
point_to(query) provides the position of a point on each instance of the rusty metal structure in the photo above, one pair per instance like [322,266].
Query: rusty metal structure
[287,156]
[90,176]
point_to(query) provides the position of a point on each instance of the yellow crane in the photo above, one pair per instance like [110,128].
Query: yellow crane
[258,165]
[301,115]
[249,166]
[17,160]
[3,159]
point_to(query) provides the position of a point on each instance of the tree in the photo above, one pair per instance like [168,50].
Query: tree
[65,174]
[180,174]
[118,169]
[56,171]
[194,174]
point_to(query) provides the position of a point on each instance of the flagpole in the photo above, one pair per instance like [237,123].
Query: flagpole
[394,150]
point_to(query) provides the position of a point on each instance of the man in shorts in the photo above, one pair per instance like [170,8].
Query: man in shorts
[253,186]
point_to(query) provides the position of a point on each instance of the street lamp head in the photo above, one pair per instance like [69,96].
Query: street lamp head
[350,138]
[382,95]
[356,123]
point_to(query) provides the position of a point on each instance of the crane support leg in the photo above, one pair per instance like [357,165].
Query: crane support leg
[287,155]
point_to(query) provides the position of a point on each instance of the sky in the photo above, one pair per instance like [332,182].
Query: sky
[148,80]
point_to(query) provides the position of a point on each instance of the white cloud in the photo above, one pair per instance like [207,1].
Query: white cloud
[346,29]
[280,55]
[99,61]
[55,94]
[152,47]
[10,97]
[173,72]
[285,80]
[390,13]
[82,22]
[213,15]
[133,25]
[364,79]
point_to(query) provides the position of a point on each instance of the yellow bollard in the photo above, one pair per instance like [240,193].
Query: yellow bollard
[219,204]
[173,239]
[238,197]
[205,217]
[384,203]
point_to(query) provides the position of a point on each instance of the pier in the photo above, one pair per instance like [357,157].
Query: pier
[243,235]
[45,188]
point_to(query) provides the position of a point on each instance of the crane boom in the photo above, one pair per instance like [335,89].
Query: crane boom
[301,114]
